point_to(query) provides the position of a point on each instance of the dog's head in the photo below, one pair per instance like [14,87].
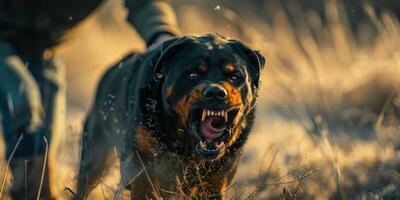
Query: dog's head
[210,86]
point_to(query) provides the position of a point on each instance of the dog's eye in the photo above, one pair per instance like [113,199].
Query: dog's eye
[235,77]
[193,75]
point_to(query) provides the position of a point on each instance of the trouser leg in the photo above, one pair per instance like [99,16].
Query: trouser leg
[32,104]
[51,80]
[27,177]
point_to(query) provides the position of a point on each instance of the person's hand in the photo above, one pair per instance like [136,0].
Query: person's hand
[161,38]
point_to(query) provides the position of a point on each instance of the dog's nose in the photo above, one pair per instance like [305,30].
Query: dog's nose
[214,92]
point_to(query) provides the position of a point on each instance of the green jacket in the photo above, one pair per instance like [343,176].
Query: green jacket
[45,21]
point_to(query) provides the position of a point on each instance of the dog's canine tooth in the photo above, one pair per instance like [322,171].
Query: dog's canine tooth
[226,116]
[202,145]
[203,116]
[220,145]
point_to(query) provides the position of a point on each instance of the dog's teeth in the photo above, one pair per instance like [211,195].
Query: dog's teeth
[226,116]
[220,145]
[202,145]
[208,113]
[203,116]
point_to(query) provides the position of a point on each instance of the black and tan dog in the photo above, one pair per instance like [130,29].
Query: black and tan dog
[178,117]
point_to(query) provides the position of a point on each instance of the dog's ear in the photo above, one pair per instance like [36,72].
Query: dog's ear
[167,50]
[157,58]
[255,60]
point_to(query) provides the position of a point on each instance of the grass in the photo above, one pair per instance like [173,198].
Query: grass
[328,115]
[3,182]
[332,93]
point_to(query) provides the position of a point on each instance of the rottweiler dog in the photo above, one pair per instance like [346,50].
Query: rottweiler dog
[177,118]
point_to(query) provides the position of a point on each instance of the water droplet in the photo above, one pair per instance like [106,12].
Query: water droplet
[159,75]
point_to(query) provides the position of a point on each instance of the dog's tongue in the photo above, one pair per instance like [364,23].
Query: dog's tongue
[212,127]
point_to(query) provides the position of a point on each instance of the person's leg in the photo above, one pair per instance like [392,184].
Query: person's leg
[34,112]
[50,76]
[22,116]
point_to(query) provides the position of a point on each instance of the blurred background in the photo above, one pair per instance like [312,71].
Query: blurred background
[328,114]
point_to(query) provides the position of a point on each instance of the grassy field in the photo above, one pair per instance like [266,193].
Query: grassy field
[328,114]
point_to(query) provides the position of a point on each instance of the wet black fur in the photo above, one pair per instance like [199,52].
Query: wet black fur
[130,95]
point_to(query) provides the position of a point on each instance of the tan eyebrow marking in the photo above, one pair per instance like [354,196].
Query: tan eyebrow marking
[169,90]
[202,68]
[229,68]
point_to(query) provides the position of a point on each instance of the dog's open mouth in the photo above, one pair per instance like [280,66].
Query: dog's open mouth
[213,129]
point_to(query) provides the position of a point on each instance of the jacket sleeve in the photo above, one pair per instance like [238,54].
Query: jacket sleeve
[151,18]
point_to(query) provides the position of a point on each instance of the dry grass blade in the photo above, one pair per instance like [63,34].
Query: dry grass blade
[134,178]
[102,190]
[72,193]
[301,178]
[385,107]
[261,181]
[172,192]
[155,193]
[26,178]
[8,165]
[337,175]
[44,167]
[119,184]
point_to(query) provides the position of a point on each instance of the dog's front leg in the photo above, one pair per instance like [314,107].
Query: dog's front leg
[145,188]
[214,187]
[146,185]
[215,184]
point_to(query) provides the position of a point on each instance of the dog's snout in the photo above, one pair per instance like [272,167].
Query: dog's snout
[214,92]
